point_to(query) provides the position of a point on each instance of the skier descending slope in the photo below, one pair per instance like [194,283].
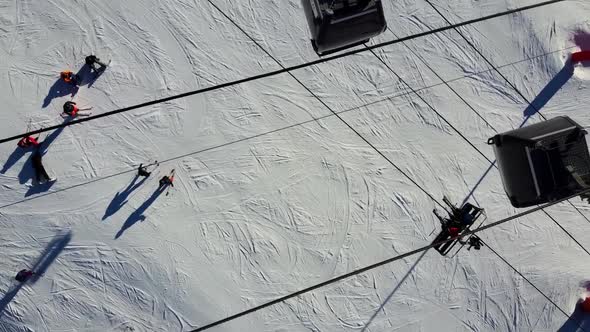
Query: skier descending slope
[72,110]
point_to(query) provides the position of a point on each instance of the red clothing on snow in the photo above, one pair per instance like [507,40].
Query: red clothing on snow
[28,141]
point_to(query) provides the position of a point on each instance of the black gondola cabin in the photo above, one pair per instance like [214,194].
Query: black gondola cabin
[543,162]
[339,24]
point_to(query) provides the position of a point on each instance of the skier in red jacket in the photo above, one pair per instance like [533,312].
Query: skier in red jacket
[28,141]
[70,108]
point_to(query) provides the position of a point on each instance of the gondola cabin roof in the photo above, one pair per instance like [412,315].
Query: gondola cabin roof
[339,24]
[543,162]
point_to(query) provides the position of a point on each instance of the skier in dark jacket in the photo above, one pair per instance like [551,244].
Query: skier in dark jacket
[40,173]
[167,180]
[70,108]
[142,171]
[91,60]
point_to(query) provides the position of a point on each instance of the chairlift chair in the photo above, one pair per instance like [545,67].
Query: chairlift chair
[543,162]
[339,24]
[463,218]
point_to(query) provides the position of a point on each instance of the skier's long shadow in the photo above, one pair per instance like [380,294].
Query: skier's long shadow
[137,215]
[120,198]
[87,76]
[13,158]
[52,250]
[59,89]
[399,284]
[549,91]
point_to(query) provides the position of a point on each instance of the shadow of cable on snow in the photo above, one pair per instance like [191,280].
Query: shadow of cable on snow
[52,250]
[399,284]
[137,215]
[121,197]
[18,155]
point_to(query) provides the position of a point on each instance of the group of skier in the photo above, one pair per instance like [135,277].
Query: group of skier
[71,109]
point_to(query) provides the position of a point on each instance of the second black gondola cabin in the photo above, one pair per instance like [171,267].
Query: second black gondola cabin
[339,24]
[543,162]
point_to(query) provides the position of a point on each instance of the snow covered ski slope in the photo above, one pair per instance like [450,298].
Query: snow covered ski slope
[273,192]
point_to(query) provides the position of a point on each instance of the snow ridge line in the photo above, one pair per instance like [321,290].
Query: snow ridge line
[280,71]
[393,259]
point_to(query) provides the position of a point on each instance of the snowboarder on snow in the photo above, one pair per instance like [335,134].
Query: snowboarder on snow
[91,60]
[40,172]
[72,110]
[142,171]
[28,141]
[69,77]
[24,275]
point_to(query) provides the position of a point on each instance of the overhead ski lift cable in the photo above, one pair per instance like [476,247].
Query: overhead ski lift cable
[278,129]
[512,85]
[492,163]
[276,72]
[370,144]
[391,260]
[456,29]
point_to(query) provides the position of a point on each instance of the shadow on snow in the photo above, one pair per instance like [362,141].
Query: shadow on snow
[121,197]
[52,250]
[60,88]
[137,215]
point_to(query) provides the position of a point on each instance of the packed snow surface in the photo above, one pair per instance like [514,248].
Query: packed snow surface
[272,192]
